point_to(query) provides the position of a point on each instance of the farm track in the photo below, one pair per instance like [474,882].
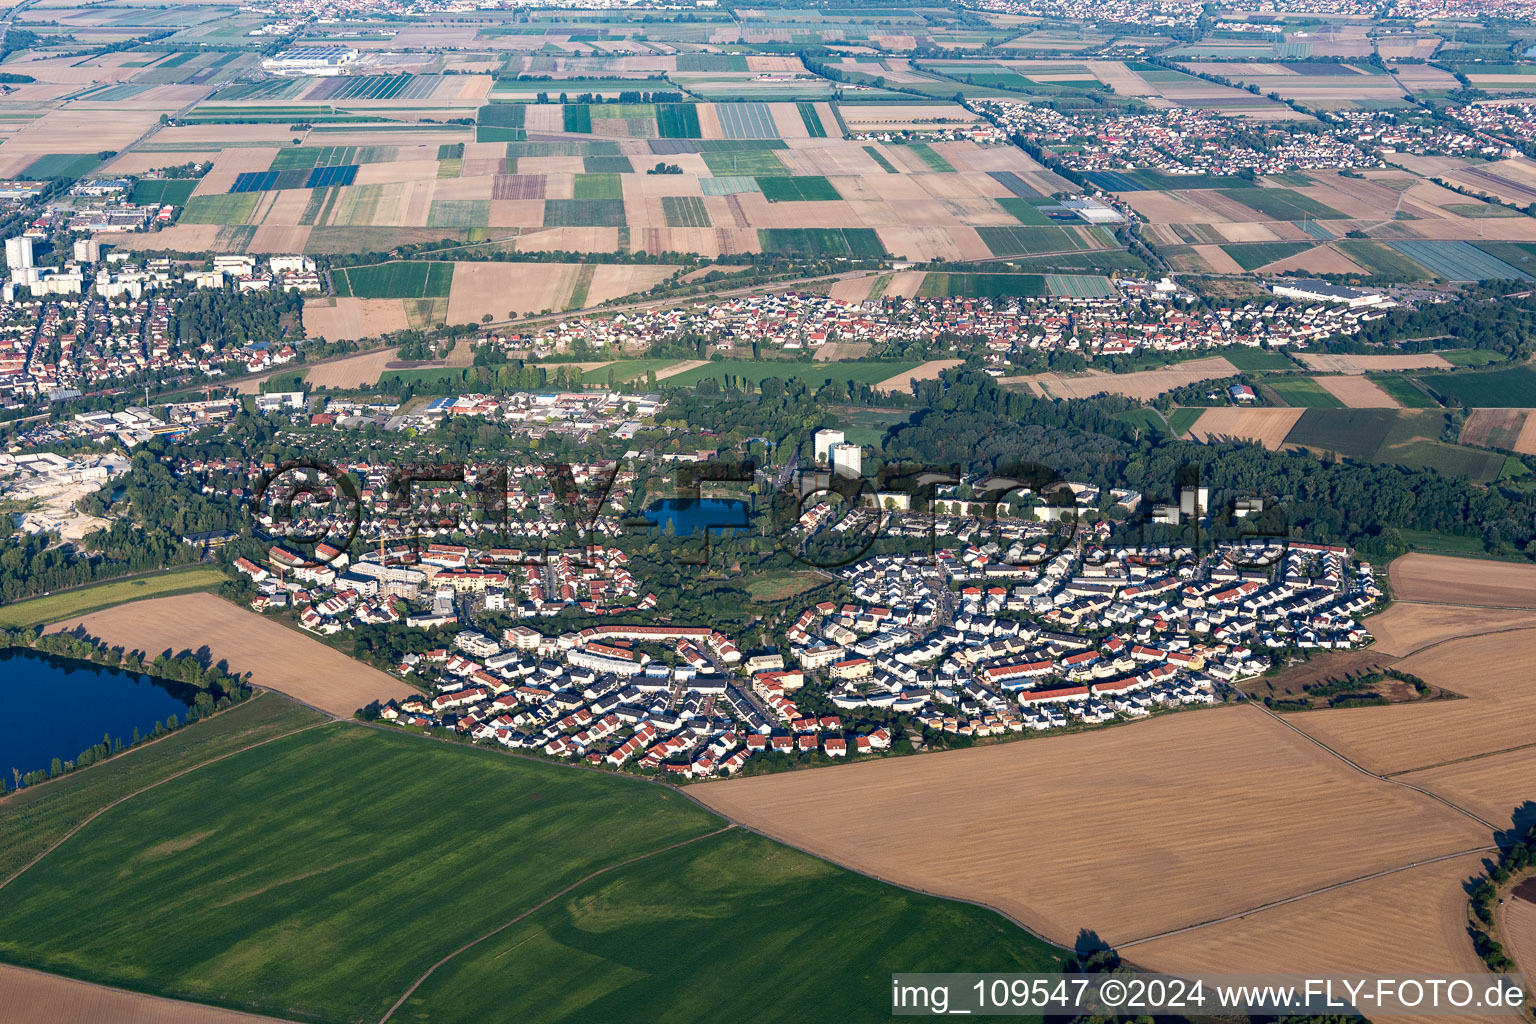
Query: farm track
[1390,780]
[1305,895]
[535,909]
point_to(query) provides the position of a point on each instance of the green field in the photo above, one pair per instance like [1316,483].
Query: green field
[813,374]
[607,165]
[1353,433]
[484,133]
[677,121]
[797,188]
[1381,259]
[159,192]
[622,370]
[406,279]
[930,157]
[305,896]
[501,115]
[34,818]
[1282,204]
[685,212]
[859,243]
[812,120]
[68,603]
[1394,437]
[578,118]
[221,209]
[1023,210]
[879,158]
[1511,388]
[1403,390]
[584,213]
[1252,255]
[1181,419]
[1030,239]
[61,165]
[597,186]
[1256,359]
[749,163]
[983,286]
[636,936]
[282,880]
[1470,356]
[459,213]
[1303,392]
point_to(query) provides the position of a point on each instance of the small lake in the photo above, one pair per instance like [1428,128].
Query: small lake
[55,707]
[691,515]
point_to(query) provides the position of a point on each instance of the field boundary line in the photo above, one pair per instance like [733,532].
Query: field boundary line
[535,909]
[1381,778]
[1305,895]
[123,799]
[138,995]
[1459,760]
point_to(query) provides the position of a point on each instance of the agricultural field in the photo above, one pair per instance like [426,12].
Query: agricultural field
[1269,427]
[402,280]
[580,844]
[1218,772]
[79,601]
[1463,581]
[1143,384]
[277,658]
[1303,392]
[1401,437]
[1513,387]
[814,375]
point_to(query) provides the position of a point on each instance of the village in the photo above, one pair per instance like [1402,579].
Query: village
[1001,631]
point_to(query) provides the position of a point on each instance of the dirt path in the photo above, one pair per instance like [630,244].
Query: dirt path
[1305,895]
[535,909]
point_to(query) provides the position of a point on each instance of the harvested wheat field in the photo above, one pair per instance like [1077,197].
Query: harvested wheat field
[1039,828]
[1357,392]
[348,319]
[854,289]
[499,288]
[1324,259]
[277,658]
[1346,363]
[1466,581]
[1269,427]
[1359,928]
[1144,384]
[1497,787]
[1499,713]
[1525,443]
[27,997]
[361,370]
[612,281]
[930,370]
[1406,627]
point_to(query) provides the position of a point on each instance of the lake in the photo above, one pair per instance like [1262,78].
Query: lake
[55,707]
[690,515]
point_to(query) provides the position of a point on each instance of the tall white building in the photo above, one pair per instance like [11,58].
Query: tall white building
[87,250]
[847,460]
[824,440]
[18,253]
